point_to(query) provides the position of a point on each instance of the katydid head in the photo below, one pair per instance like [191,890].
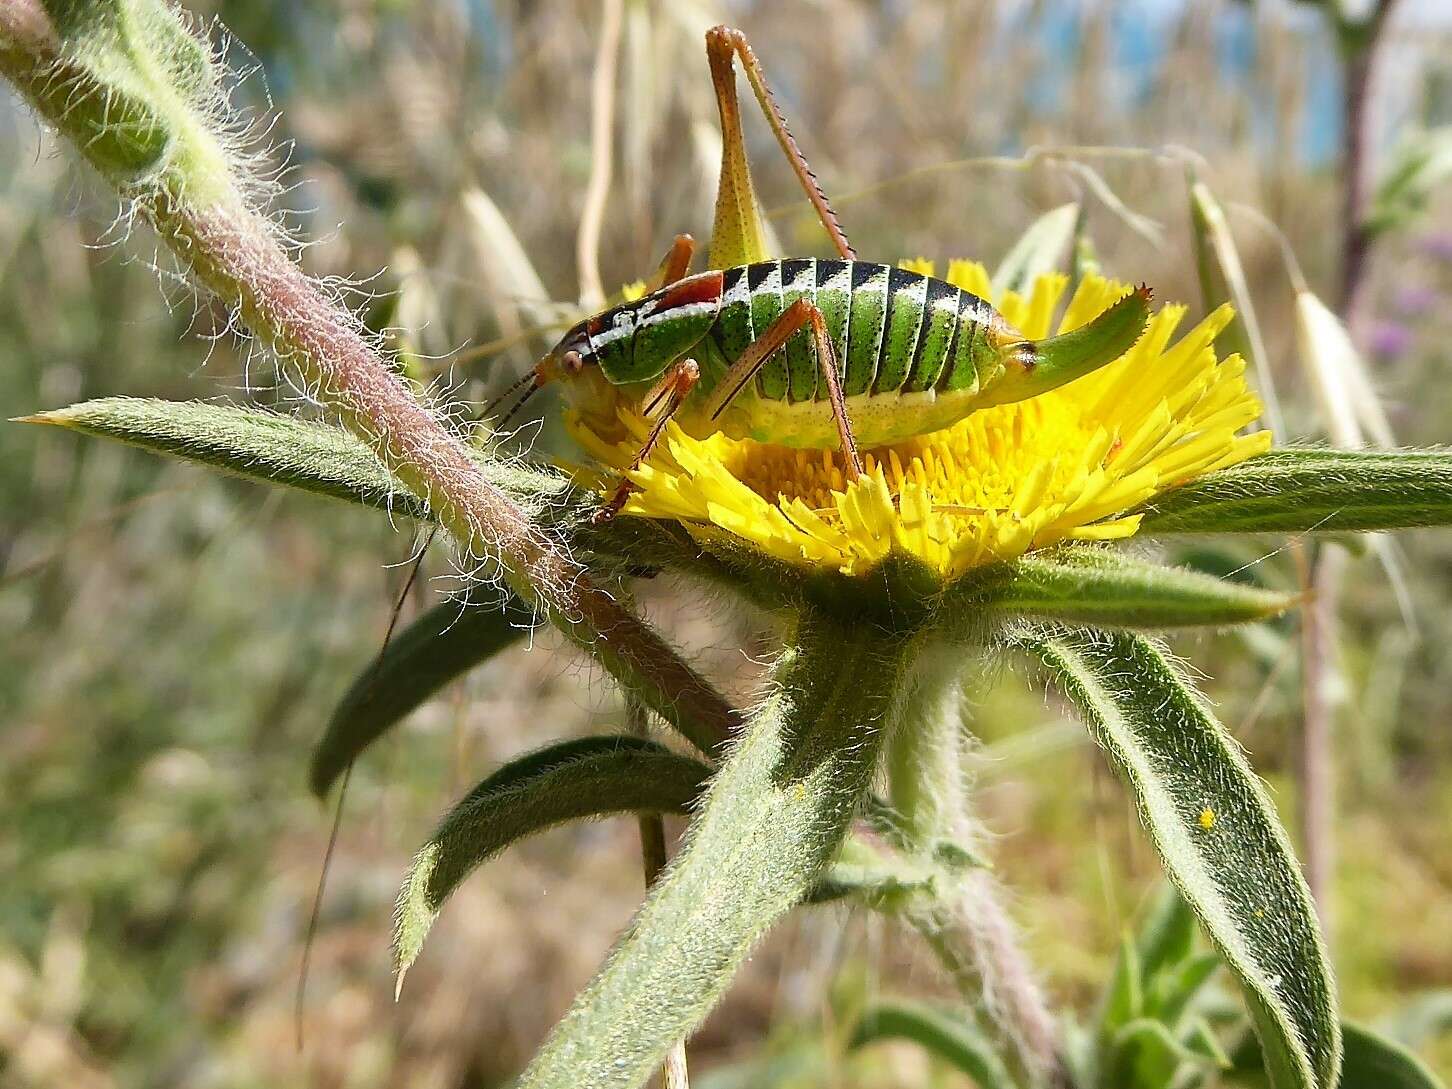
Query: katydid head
[611,355]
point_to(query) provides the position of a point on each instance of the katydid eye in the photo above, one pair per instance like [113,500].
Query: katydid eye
[572,363]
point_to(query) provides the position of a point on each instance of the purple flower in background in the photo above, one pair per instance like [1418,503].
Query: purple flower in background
[1415,300]
[1391,340]
[1438,246]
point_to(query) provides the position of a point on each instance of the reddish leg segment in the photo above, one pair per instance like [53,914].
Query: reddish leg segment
[679,379]
[674,265]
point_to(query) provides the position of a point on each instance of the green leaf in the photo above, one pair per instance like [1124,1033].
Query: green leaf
[1124,997]
[326,460]
[1201,1040]
[109,93]
[1145,1055]
[776,814]
[1040,249]
[1107,589]
[313,457]
[1218,837]
[1167,936]
[1375,1062]
[304,454]
[1173,973]
[949,1036]
[1176,989]
[1300,489]
[575,780]
[446,642]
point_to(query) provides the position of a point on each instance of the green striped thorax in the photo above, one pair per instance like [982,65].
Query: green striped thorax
[913,353]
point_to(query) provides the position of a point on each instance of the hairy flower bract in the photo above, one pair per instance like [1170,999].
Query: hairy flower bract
[1065,465]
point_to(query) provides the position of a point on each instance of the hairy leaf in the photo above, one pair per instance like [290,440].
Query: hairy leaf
[949,1035]
[304,454]
[1109,590]
[1219,838]
[249,442]
[1375,1062]
[446,642]
[575,780]
[126,84]
[1300,489]
[774,819]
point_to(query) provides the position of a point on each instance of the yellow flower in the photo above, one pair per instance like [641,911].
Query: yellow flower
[1065,465]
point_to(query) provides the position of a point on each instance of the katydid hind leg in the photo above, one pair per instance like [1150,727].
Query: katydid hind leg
[723,44]
[758,353]
[827,361]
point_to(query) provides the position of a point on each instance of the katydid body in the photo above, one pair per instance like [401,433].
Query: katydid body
[911,353]
[805,352]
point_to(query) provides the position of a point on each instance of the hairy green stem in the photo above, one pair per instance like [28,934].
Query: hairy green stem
[774,819]
[183,180]
[963,920]
[924,753]
[653,857]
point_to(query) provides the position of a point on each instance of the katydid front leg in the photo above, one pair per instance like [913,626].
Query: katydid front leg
[674,387]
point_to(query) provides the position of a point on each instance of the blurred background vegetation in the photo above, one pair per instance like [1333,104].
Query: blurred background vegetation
[174,641]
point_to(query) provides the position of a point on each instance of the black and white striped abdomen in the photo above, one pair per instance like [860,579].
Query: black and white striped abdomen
[893,331]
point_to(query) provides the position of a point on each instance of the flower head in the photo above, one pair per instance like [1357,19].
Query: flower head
[1065,465]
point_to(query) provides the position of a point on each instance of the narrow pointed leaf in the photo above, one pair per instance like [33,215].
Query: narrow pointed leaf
[1420,165]
[575,780]
[1040,249]
[1375,1062]
[446,642]
[948,1035]
[1176,990]
[1107,589]
[248,442]
[1371,1060]
[1124,997]
[777,812]
[296,453]
[1311,489]
[1201,1039]
[1219,839]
